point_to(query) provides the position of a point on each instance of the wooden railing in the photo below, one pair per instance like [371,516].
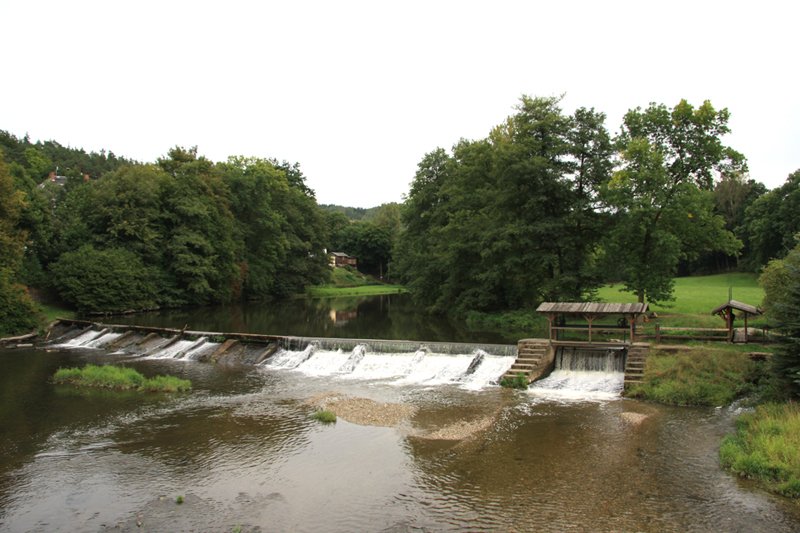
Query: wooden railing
[590,331]
[703,334]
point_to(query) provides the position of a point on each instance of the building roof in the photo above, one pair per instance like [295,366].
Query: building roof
[739,306]
[591,308]
[339,254]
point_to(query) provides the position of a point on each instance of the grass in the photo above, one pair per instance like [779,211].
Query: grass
[324,416]
[51,312]
[347,281]
[517,382]
[119,378]
[765,447]
[326,291]
[702,376]
[697,295]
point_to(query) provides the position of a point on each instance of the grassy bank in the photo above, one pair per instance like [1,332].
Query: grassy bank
[327,291]
[51,312]
[119,378]
[766,447]
[710,376]
[347,281]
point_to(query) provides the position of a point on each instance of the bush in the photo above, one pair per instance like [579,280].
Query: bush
[109,280]
[18,313]
[765,447]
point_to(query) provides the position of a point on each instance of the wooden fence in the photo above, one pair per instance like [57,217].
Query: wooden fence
[706,334]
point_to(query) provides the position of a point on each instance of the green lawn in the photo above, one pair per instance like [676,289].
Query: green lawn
[325,291]
[347,281]
[697,294]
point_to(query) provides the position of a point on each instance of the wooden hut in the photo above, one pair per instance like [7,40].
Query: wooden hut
[731,310]
[592,318]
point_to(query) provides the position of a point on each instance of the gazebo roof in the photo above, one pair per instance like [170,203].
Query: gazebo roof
[739,306]
[591,308]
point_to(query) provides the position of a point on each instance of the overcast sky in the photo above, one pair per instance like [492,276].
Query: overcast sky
[358,92]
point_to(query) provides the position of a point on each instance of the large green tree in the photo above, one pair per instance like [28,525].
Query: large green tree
[508,220]
[661,194]
[17,311]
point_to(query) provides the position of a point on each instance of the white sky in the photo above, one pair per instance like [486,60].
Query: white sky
[358,92]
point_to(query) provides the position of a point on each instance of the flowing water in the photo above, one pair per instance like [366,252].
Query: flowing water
[568,454]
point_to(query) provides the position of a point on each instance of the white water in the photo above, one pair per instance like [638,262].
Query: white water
[582,376]
[410,368]
[84,339]
[423,367]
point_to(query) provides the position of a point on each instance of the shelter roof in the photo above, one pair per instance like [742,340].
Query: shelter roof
[592,308]
[739,306]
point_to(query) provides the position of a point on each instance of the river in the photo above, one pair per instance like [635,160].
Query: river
[243,455]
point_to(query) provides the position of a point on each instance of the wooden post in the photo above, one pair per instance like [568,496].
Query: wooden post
[632,323]
[745,328]
[589,319]
[658,333]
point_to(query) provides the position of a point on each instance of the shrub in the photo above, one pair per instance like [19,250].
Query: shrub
[109,280]
[17,311]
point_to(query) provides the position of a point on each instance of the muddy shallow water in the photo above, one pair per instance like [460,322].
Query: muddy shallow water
[243,454]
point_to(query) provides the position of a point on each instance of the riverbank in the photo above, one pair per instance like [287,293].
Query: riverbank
[698,375]
[766,447]
[347,281]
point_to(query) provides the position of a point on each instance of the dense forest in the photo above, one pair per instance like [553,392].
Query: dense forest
[548,206]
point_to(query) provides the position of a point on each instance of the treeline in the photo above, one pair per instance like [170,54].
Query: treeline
[549,206]
[181,231]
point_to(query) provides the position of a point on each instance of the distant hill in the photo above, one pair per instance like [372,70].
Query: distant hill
[354,213]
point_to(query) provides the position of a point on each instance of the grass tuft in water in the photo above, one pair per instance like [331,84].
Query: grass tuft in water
[120,378]
[765,447]
[179,500]
[520,381]
[324,416]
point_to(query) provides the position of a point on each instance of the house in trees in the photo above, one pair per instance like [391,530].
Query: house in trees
[339,259]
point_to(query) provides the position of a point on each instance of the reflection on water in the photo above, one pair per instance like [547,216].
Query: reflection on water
[374,317]
[242,452]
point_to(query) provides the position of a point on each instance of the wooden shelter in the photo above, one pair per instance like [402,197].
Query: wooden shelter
[726,312]
[340,259]
[593,314]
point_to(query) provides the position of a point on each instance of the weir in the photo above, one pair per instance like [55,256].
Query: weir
[470,365]
[405,361]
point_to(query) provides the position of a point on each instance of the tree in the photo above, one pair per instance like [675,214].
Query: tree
[781,283]
[17,311]
[661,194]
[370,243]
[254,185]
[771,221]
[200,250]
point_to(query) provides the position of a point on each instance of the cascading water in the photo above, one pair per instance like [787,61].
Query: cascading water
[422,367]
[396,362]
[583,374]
